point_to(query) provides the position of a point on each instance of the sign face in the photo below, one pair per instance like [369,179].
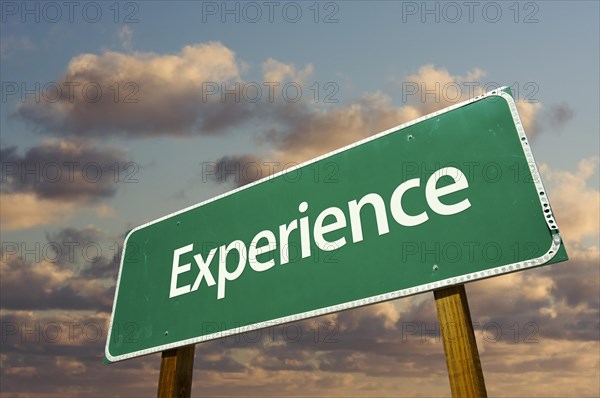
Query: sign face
[452,197]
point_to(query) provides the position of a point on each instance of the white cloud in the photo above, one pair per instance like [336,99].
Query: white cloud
[126,37]
[276,71]
[574,201]
[26,210]
[528,112]
[142,93]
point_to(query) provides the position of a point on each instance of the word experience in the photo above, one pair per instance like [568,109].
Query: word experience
[266,242]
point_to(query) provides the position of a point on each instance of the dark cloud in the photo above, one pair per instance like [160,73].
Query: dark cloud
[181,114]
[48,286]
[94,254]
[558,115]
[220,363]
[370,345]
[196,91]
[200,91]
[74,269]
[300,132]
[52,354]
[239,170]
[63,170]
[552,303]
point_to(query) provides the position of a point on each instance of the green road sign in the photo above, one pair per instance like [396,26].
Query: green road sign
[452,197]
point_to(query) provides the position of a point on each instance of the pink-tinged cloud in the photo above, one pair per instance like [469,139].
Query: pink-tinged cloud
[26,210]
[140,94]
[149,94]
[72,269]
[56,179]
[575,200]
[301,131]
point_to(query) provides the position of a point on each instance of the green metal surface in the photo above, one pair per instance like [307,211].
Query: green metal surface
[507,227]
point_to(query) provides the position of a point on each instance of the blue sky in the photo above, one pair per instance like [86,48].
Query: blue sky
[366,56]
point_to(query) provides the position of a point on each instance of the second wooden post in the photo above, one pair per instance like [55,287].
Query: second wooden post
[462,357]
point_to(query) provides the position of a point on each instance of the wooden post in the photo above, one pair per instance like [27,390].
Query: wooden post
[462,357]
[176,368]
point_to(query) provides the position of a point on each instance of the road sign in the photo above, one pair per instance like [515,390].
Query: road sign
[449,198]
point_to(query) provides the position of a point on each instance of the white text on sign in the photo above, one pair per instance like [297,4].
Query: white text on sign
[266,242]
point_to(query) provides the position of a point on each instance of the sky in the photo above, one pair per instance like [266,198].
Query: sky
[117,113]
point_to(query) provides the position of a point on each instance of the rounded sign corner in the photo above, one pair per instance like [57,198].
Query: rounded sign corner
[108,357]
[129,234]
[556,244]
[507,96]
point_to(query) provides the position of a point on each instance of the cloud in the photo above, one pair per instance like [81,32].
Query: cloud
[94,254]
[560,301]
[105,211]
[528,112]
[26,210]
[73,269]
[59,353]
[51,181]
[433,88]
[307,132]
[126,37]
[142,94]
[557,116]
[240,170]
[575,202]
[301,131]
[537,119]
[279,72]
[49,286]
[371,350]
[516,343]
[200,90]
[61,169]
[553,365]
